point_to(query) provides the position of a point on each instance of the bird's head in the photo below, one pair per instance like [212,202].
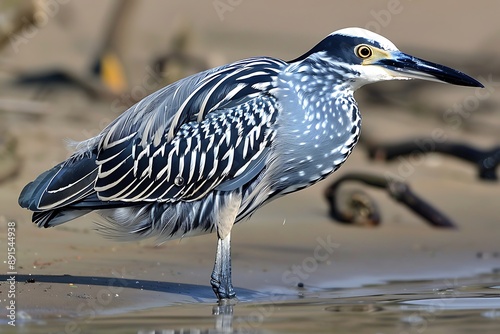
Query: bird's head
[367,57]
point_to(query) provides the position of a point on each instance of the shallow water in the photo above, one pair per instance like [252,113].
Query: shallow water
[441,306]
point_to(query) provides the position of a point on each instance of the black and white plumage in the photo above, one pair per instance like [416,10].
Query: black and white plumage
[207,151]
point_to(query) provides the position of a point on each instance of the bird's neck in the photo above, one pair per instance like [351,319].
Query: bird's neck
[319,92]
[321,86]
[319,122]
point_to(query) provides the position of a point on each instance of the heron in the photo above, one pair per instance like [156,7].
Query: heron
[207,151]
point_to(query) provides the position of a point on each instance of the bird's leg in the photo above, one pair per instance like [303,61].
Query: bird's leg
[221,275]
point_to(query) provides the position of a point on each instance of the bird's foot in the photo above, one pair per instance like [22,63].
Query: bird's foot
[223,289]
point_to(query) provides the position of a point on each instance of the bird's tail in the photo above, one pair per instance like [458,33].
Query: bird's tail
[56,217]
[63,193]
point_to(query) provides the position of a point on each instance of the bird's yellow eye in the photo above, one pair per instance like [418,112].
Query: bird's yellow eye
[363,51]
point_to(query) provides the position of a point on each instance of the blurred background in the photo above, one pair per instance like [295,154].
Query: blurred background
[69,67]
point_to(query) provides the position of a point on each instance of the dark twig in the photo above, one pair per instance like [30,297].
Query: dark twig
[91,81]
[486,161]
[365,210]
[93,87]
[179,61]
[21,16]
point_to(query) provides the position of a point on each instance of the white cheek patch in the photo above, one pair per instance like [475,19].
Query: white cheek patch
[374,73]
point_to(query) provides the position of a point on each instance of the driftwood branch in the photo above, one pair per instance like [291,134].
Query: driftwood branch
[362,208]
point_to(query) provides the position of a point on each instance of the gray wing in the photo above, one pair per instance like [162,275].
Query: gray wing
[191,99]
[210,131]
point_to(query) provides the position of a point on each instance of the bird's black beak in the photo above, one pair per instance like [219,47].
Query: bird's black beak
[402,66]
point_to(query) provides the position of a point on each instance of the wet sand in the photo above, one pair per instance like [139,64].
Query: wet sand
[71,272]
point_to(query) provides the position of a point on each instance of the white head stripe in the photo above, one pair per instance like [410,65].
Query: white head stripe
[363,33]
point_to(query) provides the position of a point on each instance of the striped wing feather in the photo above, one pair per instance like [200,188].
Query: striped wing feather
[200,157]
[211,130]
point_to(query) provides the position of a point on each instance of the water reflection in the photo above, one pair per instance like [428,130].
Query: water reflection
[475,303]
[445,306]
[223,313]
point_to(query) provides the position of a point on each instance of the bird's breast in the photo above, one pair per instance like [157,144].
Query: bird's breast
[314,141]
